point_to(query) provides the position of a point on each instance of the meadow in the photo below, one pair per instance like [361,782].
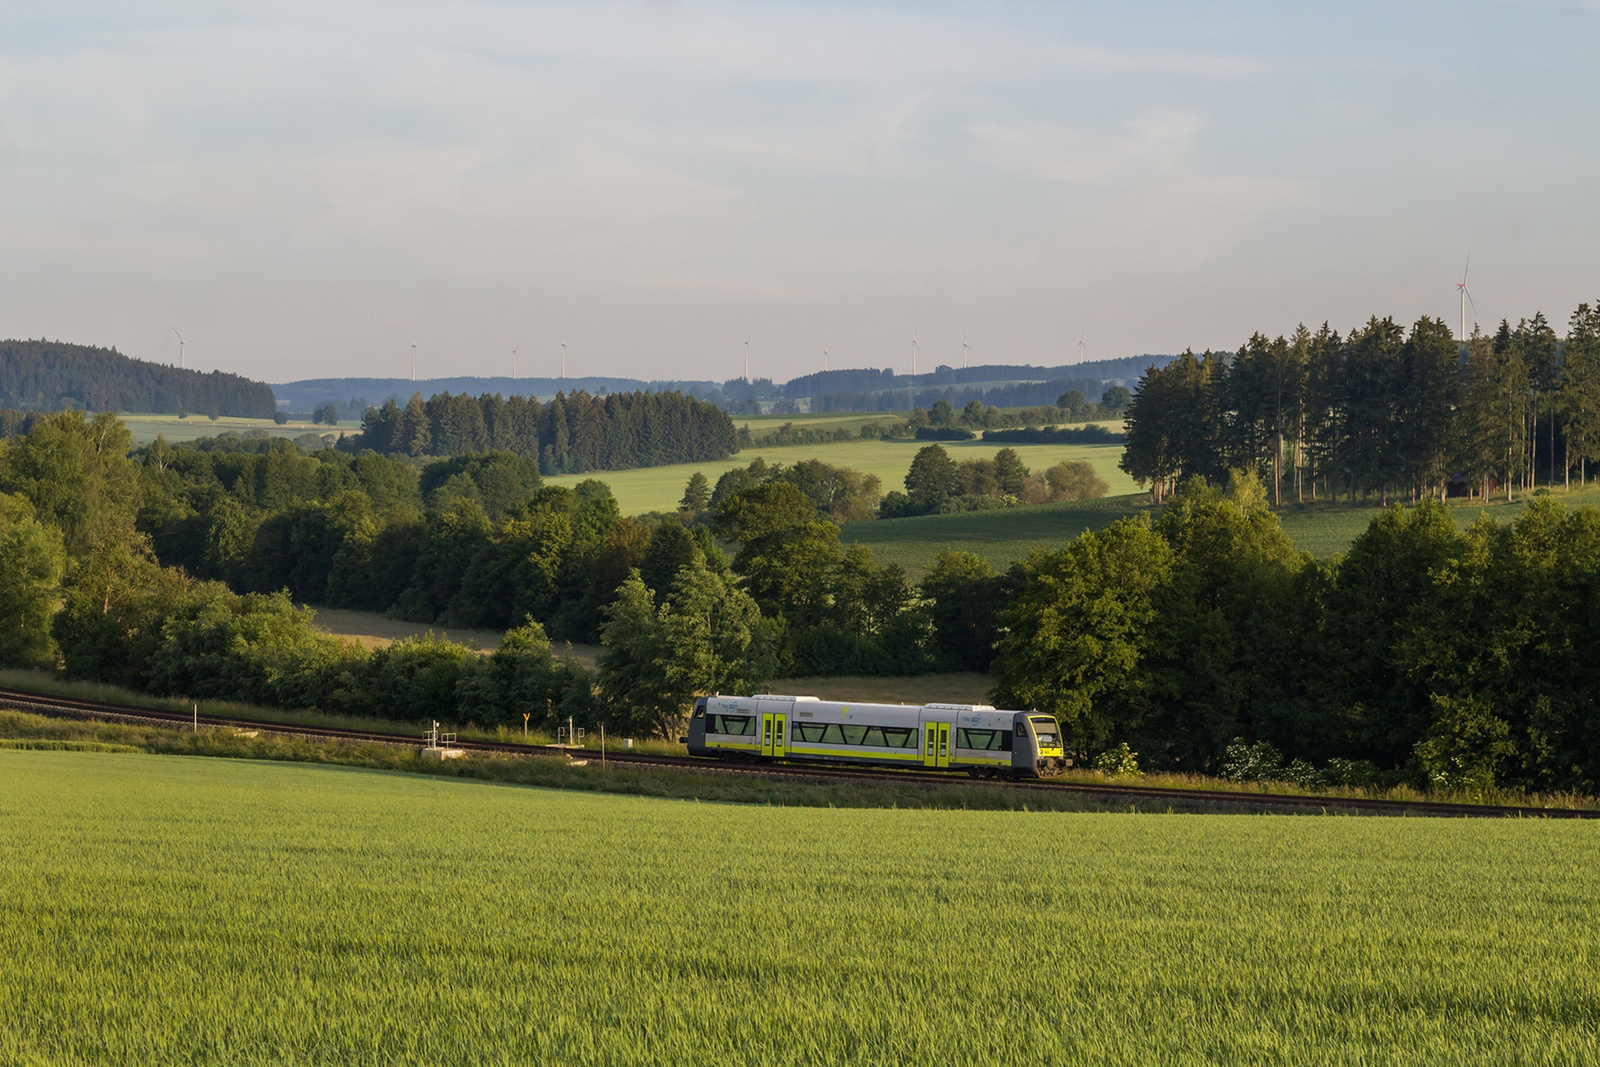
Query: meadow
[1005,536]
[660,488]
[165,909]
[1002,537]
[373,629]
[146,428]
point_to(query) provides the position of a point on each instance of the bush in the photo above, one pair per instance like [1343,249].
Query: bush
[944,433]
[1119,762]
[1075,480]
[1355,774]
[1259,762]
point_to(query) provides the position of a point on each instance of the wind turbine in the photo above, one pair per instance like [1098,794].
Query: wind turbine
[174,329]
[964,362]
[513,362]
[824,360]
[563,359]
[1466,298]
[913,354]
[1083,349]
[413,362]
[747,361]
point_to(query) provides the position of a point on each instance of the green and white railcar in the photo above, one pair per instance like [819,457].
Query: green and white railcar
[969,737]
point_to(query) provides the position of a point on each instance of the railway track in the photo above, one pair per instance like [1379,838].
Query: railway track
[70,707]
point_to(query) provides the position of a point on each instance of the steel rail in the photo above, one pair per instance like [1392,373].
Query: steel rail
[75,707]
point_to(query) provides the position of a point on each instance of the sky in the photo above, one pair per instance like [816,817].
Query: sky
[307,189]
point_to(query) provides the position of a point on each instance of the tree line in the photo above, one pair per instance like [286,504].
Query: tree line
[1381,413]
[49,375]
[573,433]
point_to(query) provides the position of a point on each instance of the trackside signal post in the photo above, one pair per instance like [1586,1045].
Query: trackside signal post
[441,746]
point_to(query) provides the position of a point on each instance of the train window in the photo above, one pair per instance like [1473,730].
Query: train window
[990,740]
[1046,731]
[699,711]
[736,725]
[834,733]
[899,737]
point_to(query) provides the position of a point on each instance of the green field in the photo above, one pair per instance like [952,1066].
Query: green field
[660,488]
[1003,537]
[146,428]
[167,909]
[373,629]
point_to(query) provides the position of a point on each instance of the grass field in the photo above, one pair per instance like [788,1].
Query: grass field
[164,910]
[1003,537]
[373,629]
[146,428]
[660,488]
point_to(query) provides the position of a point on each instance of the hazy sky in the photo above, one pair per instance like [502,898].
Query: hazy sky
[307,189]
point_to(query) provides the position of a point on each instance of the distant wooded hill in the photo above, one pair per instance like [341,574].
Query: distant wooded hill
[851,389]
[50,375]
[352,396]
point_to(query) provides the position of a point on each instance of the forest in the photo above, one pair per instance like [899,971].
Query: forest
[572,434]
[1426,653]
[1381,413]
[49,375]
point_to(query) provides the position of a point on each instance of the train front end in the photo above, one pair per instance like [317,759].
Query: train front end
[1037,748]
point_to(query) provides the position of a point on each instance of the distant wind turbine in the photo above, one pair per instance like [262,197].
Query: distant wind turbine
[913,354]
[824,360]
[513,362]
[563,359]
[964,362]
[747,361]
[1083,349]
[1466,298]
[174,329]
[413,362]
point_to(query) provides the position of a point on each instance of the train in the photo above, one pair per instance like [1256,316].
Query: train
[975,738]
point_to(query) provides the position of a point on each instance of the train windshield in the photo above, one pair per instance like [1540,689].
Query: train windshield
[1046,730]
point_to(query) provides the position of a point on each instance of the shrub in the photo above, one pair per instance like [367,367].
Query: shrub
[1075,480]
[1119,762]
[1259,762]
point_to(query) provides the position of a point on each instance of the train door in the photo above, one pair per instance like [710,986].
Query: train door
[936,744]
[775,727]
